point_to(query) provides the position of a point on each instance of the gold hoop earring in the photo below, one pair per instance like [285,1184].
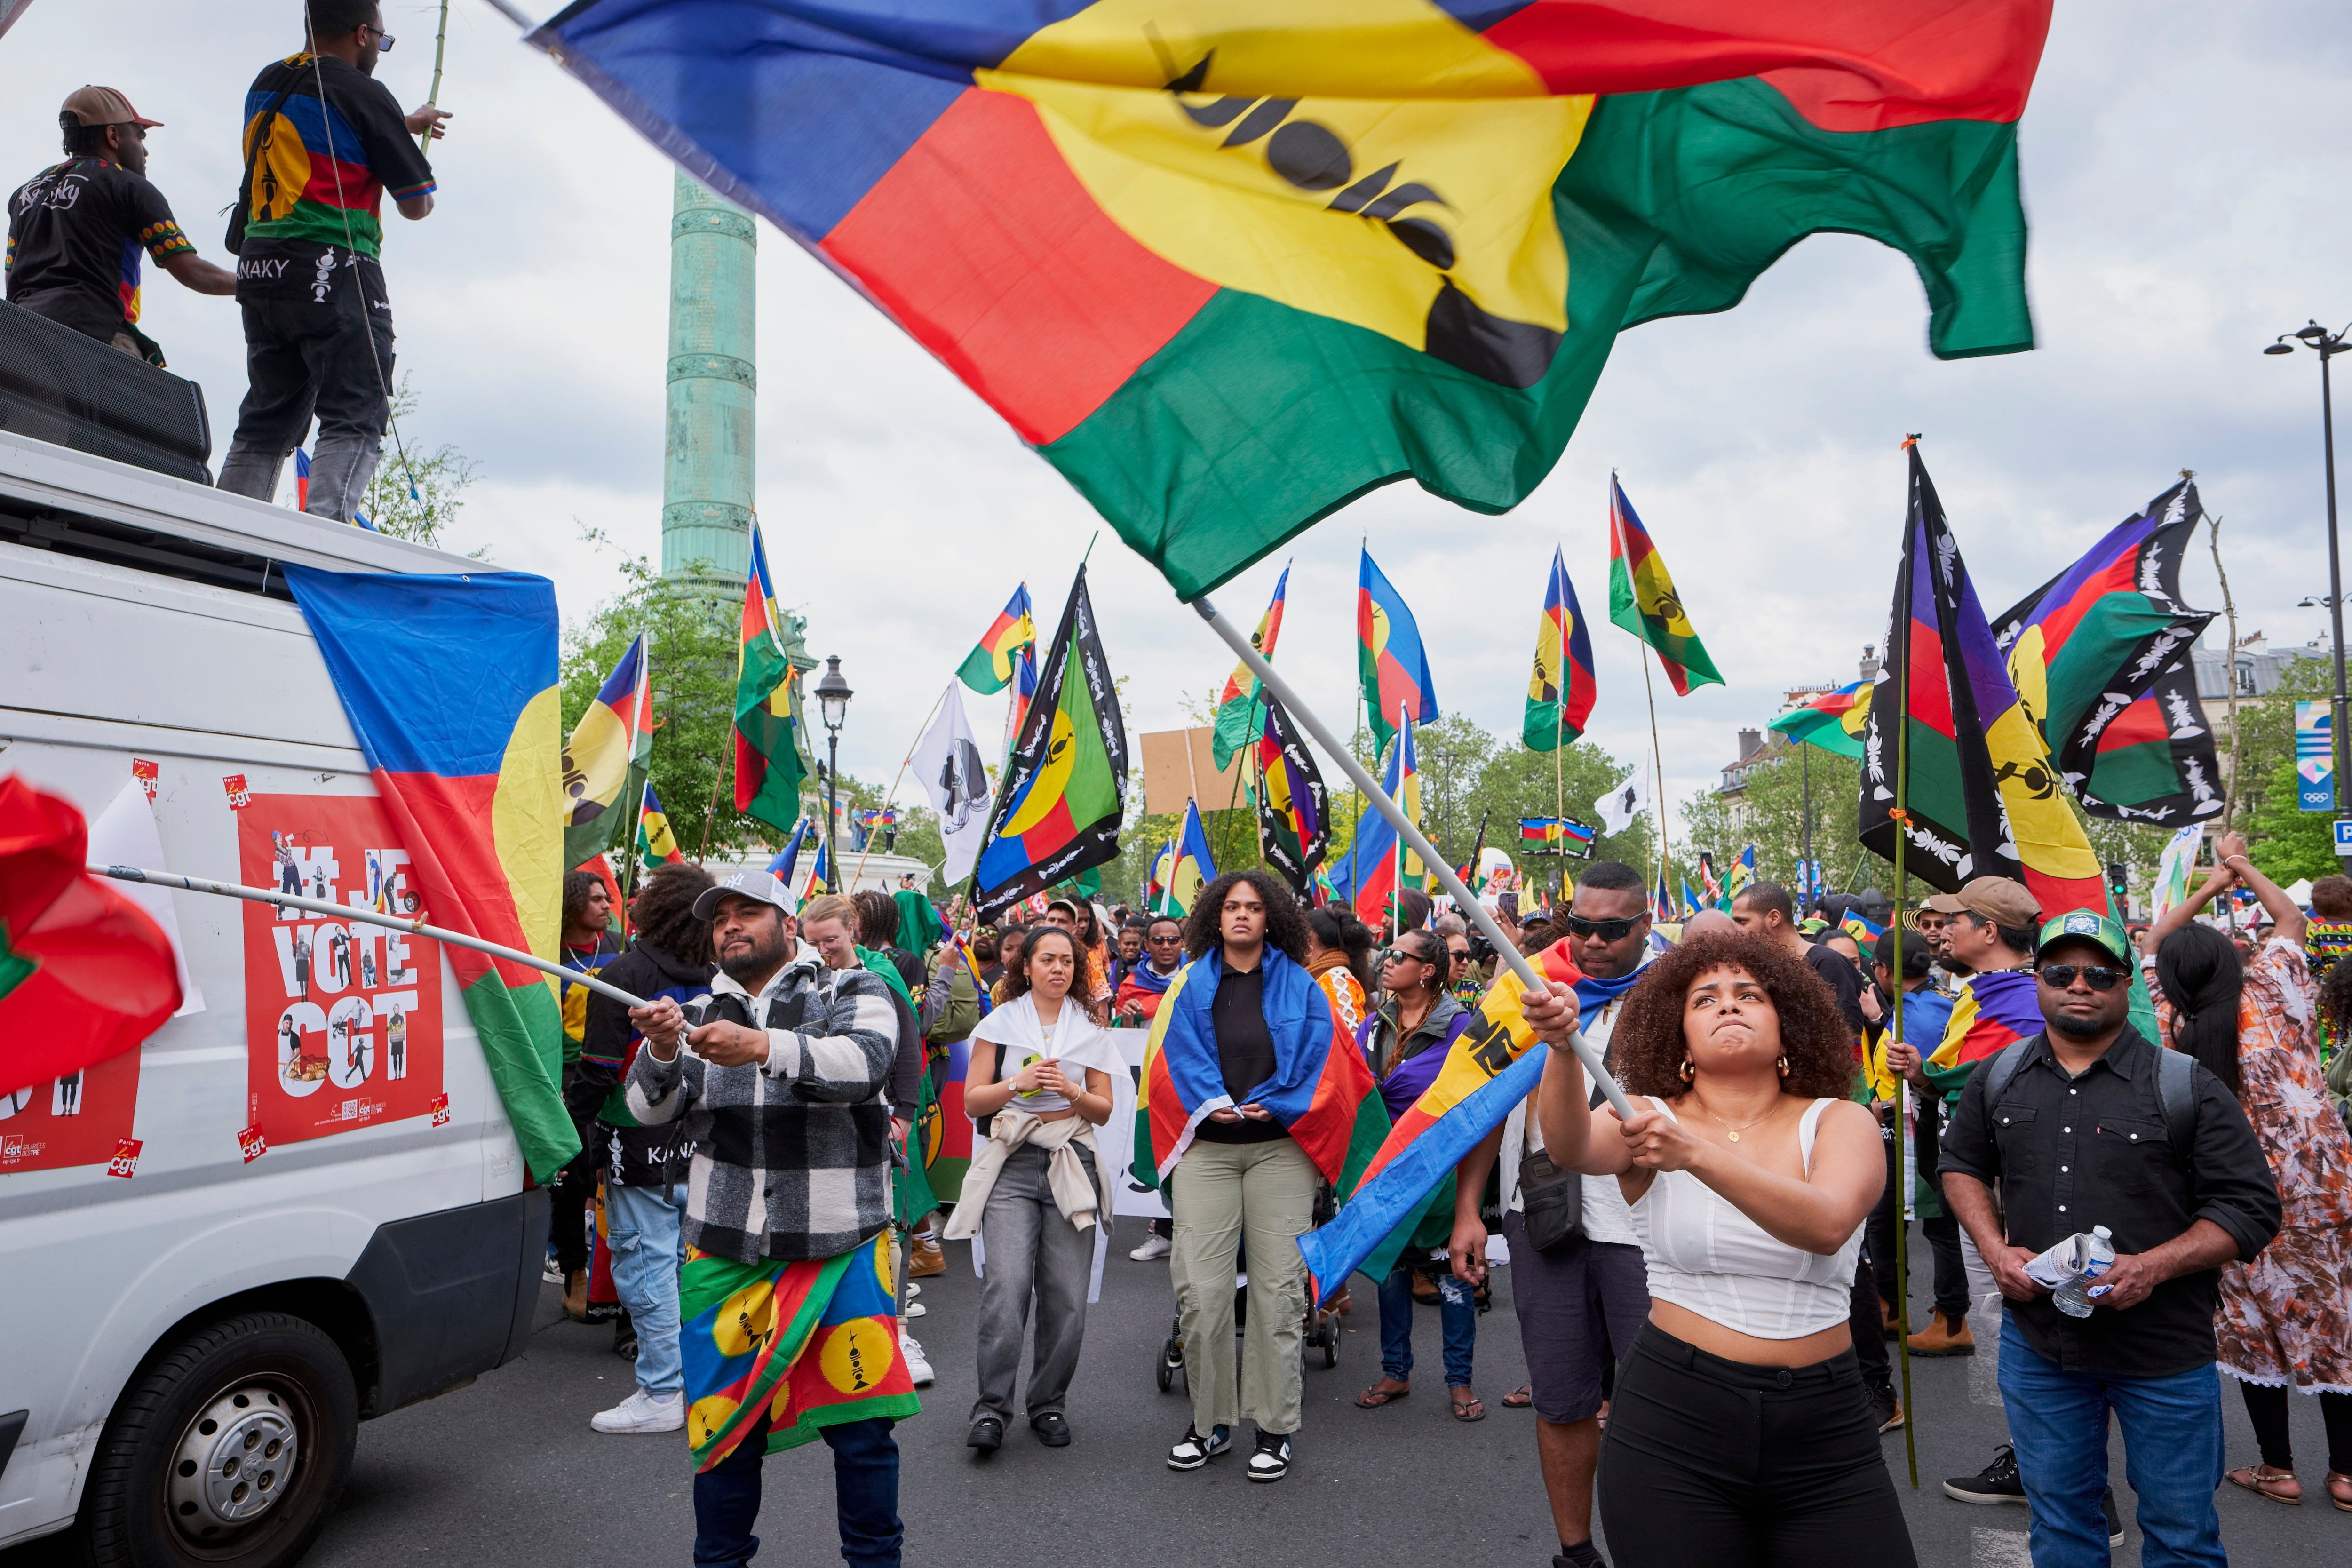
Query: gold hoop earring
[1783,1065]
[1688,1070]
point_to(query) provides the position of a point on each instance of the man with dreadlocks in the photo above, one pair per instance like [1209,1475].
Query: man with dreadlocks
[324,141]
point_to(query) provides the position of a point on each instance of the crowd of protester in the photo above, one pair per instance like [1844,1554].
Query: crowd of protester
[1704,1292]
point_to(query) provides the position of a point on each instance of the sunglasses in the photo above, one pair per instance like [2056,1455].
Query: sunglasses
[2097,976]
[1405,956]
[1607,930]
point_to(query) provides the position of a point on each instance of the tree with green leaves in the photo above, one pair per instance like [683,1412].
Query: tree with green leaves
[418,492]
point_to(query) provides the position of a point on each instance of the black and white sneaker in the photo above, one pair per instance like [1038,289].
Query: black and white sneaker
[1272,1460]
[1997,1482]
[1195,1451]
[2114,1517]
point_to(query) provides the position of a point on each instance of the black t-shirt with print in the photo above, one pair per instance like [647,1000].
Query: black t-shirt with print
[75,235]
[320,168]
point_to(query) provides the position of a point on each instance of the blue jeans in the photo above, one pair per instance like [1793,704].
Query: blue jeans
[641,1229]
[865,1490]
[1458,1318]
[2172,1454]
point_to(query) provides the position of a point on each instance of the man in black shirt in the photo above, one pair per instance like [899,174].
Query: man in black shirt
[2088,1124]
[324,143]
[78,230]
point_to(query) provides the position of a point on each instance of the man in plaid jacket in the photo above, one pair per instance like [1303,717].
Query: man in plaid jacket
[782,1097]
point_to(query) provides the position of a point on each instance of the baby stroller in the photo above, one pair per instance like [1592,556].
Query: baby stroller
[1320,1332]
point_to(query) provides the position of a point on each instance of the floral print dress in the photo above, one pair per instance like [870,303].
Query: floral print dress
[2286,1318]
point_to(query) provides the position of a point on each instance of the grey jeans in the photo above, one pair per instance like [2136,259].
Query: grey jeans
[1031,1249]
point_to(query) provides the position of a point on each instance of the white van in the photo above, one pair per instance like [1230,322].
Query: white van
[300,1203]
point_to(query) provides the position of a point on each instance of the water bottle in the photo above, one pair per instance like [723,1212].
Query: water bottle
[2094,1257]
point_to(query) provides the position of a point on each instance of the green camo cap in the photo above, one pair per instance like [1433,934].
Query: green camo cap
[2092,926]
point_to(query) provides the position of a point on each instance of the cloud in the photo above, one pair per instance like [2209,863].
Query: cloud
[2180,165]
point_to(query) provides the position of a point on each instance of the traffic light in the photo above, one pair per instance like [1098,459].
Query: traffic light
[2119,887]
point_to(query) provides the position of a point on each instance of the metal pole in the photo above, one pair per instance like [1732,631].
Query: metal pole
[1902,1089]
[368,917]
[1236,639]
[2328,348]
[1805,872]
[832,805]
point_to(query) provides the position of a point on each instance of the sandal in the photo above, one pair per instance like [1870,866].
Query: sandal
[1521,1397]
[1470,1409]
[2340,1490]
[1375,1396]
[2260,1479]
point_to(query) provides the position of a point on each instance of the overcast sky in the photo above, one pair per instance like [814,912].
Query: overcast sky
[2186,176]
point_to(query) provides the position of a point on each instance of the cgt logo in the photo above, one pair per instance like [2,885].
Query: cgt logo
[1273,165]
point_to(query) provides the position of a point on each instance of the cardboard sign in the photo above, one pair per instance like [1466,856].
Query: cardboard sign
[81,1120]
[342,1018]
[1181,765]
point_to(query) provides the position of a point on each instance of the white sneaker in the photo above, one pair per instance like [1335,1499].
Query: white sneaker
[913,1289]
[914,1310]
[918,1365]
[643,1412]
[1155,1246]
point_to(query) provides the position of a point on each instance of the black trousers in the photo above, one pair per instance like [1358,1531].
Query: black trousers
[2266,1408]
[329,354]
[1716,1462]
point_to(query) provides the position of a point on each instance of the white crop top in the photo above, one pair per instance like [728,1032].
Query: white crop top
[1705,1255]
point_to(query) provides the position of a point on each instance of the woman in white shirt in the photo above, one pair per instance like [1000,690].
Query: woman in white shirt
[1040,1072]
[1741,1431]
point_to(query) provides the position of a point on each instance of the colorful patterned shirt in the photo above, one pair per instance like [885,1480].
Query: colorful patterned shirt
[77,232]
[320,168]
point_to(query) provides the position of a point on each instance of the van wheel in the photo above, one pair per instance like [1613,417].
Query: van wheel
[229,1450]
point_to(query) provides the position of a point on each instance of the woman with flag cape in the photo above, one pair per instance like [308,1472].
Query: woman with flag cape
[1255,1094]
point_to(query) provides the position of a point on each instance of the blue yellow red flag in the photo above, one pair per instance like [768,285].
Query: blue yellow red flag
[1379,862]
[1389,658]
[1560,690]
[609,749]
[656,845]
[989,666]
[1235,723]
[449,682]
[1643,600]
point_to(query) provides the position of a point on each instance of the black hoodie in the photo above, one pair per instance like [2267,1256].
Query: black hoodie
[631,1155]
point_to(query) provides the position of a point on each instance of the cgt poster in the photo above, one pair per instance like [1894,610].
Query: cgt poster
[343,1019]
[82,1119]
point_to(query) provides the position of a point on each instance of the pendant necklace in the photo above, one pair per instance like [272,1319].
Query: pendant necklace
[1729,1131]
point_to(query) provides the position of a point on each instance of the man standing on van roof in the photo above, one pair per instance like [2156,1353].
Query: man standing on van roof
[790,1326]
[323,143]
[76,229]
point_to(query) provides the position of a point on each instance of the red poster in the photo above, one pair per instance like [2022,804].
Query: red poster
[343,1019]
[77,1120]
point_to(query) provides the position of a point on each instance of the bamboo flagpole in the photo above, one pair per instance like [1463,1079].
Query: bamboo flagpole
[433,97]
[1238,640]
[367,917]
[1657,766]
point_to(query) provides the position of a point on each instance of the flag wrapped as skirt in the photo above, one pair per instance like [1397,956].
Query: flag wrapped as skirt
[812,1343]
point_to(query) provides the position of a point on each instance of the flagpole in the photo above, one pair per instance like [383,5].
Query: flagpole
[920,730]
[1396,881]
[1411,832]
[368,917]
[1657,762]
[1903,1085]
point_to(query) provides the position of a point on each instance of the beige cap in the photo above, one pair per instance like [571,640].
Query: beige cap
[101,106]
[1999,900]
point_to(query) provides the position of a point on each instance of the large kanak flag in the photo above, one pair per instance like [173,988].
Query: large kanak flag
[1229,265]
[449,682]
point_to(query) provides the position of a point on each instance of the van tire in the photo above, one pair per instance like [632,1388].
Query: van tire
[284,1370]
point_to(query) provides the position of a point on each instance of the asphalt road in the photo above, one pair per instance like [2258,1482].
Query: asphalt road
[507,1472]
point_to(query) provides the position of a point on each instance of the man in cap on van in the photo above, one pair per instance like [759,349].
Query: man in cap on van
[789,1328]
[76,230]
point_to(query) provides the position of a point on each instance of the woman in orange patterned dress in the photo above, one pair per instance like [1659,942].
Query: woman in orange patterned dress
[1338,948]
[2286,1316]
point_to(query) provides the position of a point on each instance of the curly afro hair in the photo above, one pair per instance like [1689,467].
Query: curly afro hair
[663,913]
[1648,1042]
[1285,922]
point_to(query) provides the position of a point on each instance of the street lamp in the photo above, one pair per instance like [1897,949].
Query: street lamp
[832,695]
[2328,345]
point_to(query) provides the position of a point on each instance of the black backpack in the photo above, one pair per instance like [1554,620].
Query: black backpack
[2176,1088]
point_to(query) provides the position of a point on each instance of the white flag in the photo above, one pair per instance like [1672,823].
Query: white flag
[948,763]
[124,834]
[1620,806]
